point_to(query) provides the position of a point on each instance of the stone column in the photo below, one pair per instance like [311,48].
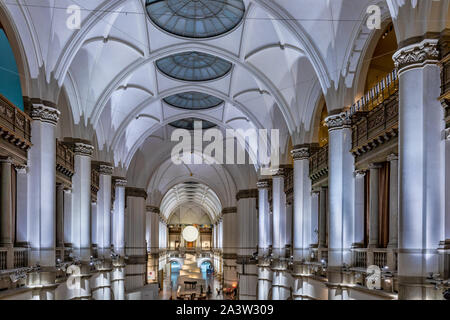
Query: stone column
[393,201]
[60,215]
[247,233]
[421,176]
[263,217]
[104,210]
[279,214]
[341,197]
[359,208]
[41,196]
[323,217]
[152,237]
[374,205]
[135,238]
[118,265]
[302,202]
[314,218]
[230,276]
[81,199]
[6,223]
[22,205]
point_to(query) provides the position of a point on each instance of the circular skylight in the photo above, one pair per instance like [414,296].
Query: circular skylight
[196,18]
[193,66]
[193,101]
[188,124]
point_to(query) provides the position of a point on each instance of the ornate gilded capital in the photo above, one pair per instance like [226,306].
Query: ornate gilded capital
[263,184]
[338,121]
[300,153]
[83,149]
[105,170]
[417,55]
[43,113]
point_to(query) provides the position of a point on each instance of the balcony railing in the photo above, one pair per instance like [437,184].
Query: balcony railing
[13,258]
[65,161]
[20,257]
[3,259]
[318,164]
[381,257]
[15,123]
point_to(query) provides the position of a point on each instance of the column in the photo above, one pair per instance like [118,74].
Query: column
[67,216]
[280,285]
[6,223]
[359,208]
[60,215]
[230,276]
[302,203]
[247,228]
[152,237]
[136,249]
[314,218]
[421,176]
[323,217]
[393,201]
[340,198]
[22,205]
[118,218]
[263,217]
[374,204]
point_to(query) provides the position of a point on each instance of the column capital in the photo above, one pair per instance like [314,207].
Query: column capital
[280,172]
[152,209]
[120,182]
[67,190]
[83,149]
[416,55]
[6,160]
[338,121]
[105,169]
[21,169]
[392,157]
[315,193]
[300,152]
[44,113]
[263,184]
[360,173]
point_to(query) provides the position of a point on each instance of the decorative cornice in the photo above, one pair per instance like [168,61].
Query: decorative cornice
[43,113]
[229,210]
[153,209]
[6,160]
[300,153]
[135,192]
[247,194]
[338,121]
[120,182]
[417,55]
[263,184]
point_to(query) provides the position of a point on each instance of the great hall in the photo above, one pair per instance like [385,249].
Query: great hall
[96,202]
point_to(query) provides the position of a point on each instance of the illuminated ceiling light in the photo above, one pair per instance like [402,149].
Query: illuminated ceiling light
[193,101]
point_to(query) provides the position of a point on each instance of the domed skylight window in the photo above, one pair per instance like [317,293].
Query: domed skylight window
[188,124]
[193,101]
[193,66]
[196,18]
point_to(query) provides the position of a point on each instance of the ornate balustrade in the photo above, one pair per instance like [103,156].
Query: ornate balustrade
[15,129]
[13,258]
[381,257]
[3,258]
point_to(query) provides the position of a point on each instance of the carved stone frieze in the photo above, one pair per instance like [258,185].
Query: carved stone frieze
[45,114]
[417,55]
[338,121]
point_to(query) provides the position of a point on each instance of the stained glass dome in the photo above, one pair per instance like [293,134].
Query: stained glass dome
[193,101]
[188,124]
[196,18]
[193,66]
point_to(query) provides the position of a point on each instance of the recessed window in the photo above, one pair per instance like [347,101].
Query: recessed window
[193,101]
[188,124]
[193,66]
[196,18]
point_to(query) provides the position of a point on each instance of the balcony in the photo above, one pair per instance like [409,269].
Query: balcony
[64,163]
[318,165]
[386,259]
[15,129]
[13,258]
